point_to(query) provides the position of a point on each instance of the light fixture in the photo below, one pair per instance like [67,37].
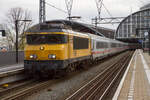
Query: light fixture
[33,56]
[42,48]
[52,56]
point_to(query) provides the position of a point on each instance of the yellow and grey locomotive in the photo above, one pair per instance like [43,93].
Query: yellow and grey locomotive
[53,48]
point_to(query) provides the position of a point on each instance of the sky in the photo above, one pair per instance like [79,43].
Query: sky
[85,8]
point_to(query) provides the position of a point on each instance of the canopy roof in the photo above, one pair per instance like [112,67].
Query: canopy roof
[76,26]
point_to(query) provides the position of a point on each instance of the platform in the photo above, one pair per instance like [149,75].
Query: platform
[10,69]
[11,73]
[135,84]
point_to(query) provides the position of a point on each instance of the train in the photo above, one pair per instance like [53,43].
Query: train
[55,49]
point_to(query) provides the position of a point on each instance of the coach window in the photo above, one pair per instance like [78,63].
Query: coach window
[106,45]
[115,44]
[97,45]
[112,45]
[118,45]
[101,45]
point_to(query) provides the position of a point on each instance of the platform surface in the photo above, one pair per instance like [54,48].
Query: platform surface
[135,84]
[11,68]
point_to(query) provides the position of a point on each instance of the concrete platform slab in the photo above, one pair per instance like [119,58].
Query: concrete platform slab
[135,85]
[11,69]
[11,73]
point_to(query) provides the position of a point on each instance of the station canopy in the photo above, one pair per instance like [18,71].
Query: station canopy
[75,26]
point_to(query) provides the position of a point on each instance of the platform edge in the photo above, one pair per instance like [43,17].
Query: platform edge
[115,97]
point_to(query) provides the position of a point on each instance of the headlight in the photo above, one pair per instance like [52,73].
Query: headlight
[52,56]
[42,48]
[33,56]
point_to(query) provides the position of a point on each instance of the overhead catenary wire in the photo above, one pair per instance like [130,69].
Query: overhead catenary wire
[99,7]
[56,7]
[108,13]
[99,4]
[69,4]
[141,2]
[63,11]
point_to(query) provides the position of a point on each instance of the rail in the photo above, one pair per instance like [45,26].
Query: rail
[99,87]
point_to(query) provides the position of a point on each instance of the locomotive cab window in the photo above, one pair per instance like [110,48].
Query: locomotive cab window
[46,39]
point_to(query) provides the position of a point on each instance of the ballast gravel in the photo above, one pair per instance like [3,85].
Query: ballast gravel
[64,87]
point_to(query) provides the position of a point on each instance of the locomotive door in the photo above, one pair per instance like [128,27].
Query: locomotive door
[70,46]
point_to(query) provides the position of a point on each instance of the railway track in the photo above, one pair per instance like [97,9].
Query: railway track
[22,90]
[100,86]
[14,87]
[29,87]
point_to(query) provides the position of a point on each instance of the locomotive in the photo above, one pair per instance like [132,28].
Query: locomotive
[55,48]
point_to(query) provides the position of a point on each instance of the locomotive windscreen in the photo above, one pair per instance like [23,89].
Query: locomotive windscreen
[46,39]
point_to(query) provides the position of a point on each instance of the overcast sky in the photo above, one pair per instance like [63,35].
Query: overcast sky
[84,8]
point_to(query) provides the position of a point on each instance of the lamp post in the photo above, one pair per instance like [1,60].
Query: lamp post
[149,40]
[16,26]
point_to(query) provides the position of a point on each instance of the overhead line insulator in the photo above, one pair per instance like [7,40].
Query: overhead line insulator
[99,4]
[69,4]
[42,12]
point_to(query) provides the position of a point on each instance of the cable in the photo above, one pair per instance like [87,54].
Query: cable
[56,7]
[108,13]
[141,1]
[99,7]
[107,10]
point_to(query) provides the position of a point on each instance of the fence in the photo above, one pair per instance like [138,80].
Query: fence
[8,58]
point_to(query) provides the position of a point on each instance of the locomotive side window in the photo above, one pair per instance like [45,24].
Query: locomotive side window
[46,39]
[80,43]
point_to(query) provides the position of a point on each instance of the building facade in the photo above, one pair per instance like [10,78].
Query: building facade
[127,29]
[147,6]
